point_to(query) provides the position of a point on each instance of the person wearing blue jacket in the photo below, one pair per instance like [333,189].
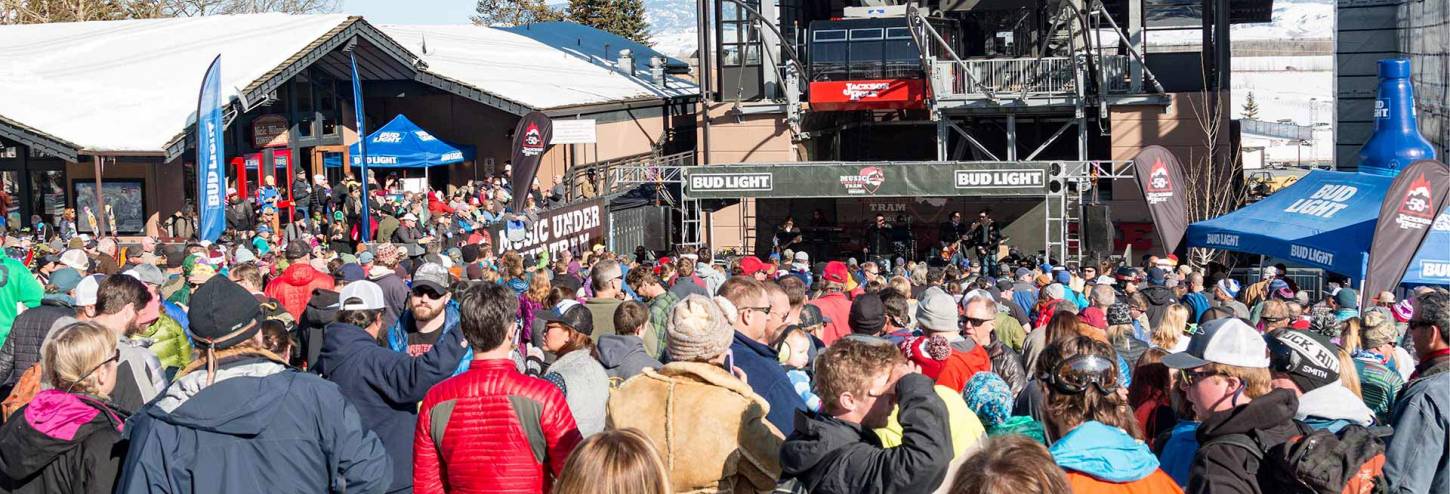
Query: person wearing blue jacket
[384,385]
[239,420]
[748,300]
[1097,439]
[431,312]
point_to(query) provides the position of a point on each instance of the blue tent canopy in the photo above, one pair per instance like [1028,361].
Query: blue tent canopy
[1325,220]
[1431,265]
[402,144]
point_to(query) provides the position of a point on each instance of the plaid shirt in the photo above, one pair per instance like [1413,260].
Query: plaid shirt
[655,336]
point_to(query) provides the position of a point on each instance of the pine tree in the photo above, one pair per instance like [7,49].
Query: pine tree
[1251,107]
[514,12]
[621,17]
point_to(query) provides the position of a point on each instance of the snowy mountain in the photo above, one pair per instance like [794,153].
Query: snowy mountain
[1293,20]
[672,25]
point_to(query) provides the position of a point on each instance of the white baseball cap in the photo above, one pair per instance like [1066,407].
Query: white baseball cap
[802,256]
[360,295]
[86,290]
[1227,341]
[76,259]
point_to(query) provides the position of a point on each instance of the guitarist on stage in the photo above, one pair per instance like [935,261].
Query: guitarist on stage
[985,237]
[787,236]
[951,230]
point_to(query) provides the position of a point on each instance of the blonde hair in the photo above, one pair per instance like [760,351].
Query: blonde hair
[901,285]
[70,359]
[622,461]
[538,287]
[849,366]
[1255,380]
[1347,374]
[1171,327]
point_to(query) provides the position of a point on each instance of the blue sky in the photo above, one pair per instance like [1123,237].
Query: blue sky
[413,11]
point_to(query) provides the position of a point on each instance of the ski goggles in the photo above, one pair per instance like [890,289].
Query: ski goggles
[1079,372]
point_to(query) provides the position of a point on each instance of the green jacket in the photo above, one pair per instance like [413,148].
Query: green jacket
[1009,331]
[168,342]
[19,287]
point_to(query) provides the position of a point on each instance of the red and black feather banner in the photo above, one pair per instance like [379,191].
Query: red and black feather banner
[1414,199]
[532,138]
[1161,176]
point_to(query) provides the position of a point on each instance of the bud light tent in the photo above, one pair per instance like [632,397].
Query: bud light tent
[1325,220]
[402,144]
[1431,265]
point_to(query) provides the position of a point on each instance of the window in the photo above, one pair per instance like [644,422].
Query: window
[741,62]
[865,52]
[738,35]
[900,57]
[305,107]
[828,55]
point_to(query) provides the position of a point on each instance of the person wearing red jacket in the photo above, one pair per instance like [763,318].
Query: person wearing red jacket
[835,305]
[939,317]
[491,429]
[294,288]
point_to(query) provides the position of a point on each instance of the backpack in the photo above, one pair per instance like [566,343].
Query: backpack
[1323,462]
[24,391]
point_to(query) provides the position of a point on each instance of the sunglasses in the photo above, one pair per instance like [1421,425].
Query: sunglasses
[763,310]
[974,322]
[115,357]
[426,293]
[1188,378]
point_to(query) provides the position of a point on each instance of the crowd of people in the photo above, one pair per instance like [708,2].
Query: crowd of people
[425,361]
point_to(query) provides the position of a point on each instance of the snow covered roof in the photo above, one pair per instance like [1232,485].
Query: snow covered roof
[542,66]
[130,86]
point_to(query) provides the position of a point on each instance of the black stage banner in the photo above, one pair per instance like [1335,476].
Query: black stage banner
[868,179]
[573,227]
[1409,209]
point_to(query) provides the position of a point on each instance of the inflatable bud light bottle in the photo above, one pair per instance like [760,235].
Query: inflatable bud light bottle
[1396,141]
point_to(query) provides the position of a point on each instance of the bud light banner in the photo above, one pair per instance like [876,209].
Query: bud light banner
[869,179]
[1406,217]
[210,179]
[1161,177]
[531,139]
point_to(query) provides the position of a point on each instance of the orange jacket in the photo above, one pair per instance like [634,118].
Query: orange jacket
[961,366]
[1155,483]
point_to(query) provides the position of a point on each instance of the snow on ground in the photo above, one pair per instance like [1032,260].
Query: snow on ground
[1303,96]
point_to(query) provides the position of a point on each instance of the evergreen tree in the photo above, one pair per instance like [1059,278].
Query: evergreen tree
[514,12]
[621,17]
[1251,107]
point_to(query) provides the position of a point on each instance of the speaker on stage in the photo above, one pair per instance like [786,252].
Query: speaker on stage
[658,229]
[1097,231]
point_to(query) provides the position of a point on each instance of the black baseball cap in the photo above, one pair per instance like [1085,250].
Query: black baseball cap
[572,314]
[868,314]
[297,249]
[812,316]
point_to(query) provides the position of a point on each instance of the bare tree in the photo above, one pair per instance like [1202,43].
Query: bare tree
[1214,175]
[514,12]
[43,11]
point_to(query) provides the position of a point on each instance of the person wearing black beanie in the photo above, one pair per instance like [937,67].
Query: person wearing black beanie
[238,419]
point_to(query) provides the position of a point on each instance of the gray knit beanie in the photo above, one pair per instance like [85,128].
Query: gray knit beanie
[937,313]
[698,330]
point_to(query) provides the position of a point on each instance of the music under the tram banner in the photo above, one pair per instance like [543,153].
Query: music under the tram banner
[870,179]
